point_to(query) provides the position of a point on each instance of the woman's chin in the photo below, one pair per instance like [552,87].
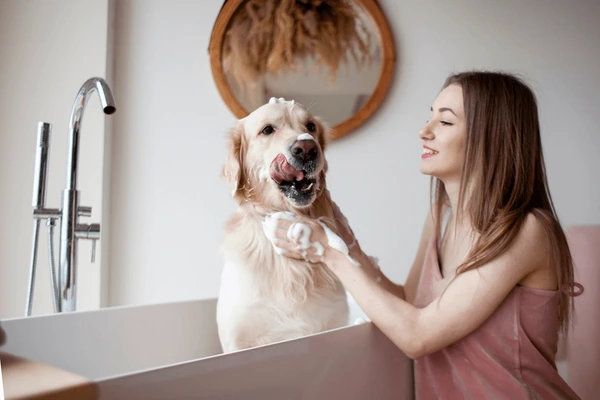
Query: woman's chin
[425,171]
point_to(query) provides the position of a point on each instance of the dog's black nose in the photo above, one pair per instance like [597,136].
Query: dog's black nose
[305,150]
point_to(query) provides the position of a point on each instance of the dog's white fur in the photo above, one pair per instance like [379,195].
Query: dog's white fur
[265,297]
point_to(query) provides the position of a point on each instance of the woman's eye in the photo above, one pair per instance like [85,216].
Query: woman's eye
[311,127]
[445,123]
[267,130]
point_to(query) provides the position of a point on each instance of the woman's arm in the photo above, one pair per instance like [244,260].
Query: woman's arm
[466,303]
[406,291]
[412,280]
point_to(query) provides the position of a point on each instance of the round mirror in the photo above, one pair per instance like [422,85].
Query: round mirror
[334,56]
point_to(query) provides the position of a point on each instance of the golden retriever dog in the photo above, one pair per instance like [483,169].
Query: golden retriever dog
[275,162]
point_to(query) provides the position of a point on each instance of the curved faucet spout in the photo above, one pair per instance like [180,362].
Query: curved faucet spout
[108,106]
[70,212]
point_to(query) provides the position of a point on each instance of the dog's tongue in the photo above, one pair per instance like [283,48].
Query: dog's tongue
[281,170]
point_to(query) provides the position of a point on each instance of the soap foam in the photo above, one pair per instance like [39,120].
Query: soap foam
[297,232]
[269,226]
[337,243]
[305,136]
[280,100]
[374,262]
[300,232]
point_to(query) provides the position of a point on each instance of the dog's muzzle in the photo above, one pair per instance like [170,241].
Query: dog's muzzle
[305,152]
[294,181]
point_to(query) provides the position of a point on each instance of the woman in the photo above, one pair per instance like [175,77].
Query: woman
[491,285]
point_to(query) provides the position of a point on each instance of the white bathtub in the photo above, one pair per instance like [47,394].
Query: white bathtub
[171,351]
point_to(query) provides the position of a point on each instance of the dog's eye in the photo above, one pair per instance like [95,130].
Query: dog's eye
[267,130]
[311,127]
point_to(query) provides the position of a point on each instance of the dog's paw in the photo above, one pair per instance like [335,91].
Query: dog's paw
[298,233]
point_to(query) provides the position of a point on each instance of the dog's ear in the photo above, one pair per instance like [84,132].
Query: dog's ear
[326,133]
[233,170]
[325,136]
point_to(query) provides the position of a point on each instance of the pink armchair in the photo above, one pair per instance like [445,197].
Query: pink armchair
[582,346]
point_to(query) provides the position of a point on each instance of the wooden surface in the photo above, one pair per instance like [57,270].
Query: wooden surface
[388,59]
[26,379]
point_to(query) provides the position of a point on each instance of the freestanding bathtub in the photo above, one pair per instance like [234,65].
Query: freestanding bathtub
[172,351]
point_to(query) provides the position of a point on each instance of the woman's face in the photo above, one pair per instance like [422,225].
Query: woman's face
[444,137]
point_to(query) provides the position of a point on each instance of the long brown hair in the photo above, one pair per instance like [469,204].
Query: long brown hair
[504,175]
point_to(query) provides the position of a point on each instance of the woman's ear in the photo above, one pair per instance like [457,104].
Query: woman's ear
[233,171]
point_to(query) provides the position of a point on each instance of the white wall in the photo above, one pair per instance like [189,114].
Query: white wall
[48,48]
[169,204]
[164,203]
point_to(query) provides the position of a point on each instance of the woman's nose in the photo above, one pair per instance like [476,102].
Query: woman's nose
[425,133]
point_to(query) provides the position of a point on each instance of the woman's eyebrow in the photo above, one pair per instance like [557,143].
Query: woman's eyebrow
[444,109]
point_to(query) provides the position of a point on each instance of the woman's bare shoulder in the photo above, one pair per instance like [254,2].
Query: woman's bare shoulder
[534,239]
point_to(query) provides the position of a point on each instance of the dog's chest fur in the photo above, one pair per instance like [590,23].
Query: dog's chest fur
[287,298]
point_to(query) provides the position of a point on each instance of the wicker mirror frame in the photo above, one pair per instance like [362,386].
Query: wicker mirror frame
[388,59]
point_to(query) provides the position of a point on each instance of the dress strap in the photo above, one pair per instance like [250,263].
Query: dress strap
[443,226]
[572,291]
[445,221]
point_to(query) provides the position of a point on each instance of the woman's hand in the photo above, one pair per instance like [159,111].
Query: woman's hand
[300,237]
[297,236]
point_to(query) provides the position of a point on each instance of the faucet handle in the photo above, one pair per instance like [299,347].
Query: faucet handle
[89,231]
[83,211]
[93,259]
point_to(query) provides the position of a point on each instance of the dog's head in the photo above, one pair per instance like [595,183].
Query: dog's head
[276,156]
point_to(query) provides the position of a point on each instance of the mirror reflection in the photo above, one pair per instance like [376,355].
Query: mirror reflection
[326,56]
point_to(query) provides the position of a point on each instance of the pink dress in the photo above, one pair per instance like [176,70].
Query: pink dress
[510,356]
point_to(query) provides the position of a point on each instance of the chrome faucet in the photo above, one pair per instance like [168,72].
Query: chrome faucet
[64,291]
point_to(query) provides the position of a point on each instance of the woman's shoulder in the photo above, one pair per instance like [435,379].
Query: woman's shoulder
[533,246]
[533,226]
[530,236]
[538,227]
